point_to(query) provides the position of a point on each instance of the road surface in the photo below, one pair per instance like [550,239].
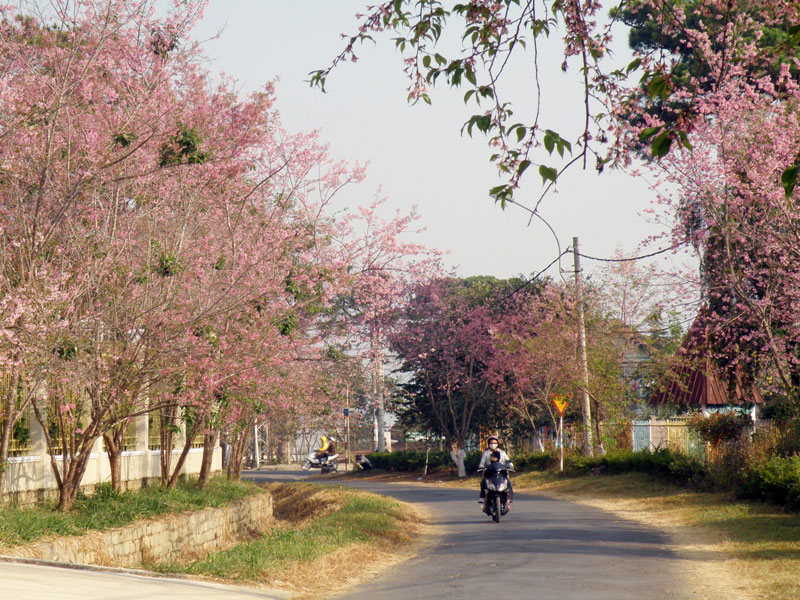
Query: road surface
[20,581]
[543,549]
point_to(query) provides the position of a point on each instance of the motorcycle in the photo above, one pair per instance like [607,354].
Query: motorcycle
[326,464]
[496,501]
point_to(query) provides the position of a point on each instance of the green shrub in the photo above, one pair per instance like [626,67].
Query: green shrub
[410,460]
[686,469]
[414,460]
[776,480]
[718,428]
[472,460]
[537,461]
[678,468]
[779,409]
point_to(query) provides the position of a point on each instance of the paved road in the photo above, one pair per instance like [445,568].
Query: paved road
[544,549]
[19,581]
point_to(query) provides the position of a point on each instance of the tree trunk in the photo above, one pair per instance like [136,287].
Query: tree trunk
[166,435]
[598,437]
[173,480]
[66,496]
[225,449]
[209,442]
[114,443]
[458,458]
[115,465]
[237,452]
[72,477]
[74,460]
[6,429]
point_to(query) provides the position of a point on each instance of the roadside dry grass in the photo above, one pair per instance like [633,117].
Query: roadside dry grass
[729,548]
[326,539]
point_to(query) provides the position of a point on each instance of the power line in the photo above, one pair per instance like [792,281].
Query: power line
[666,329]
[656,253]
[534,278]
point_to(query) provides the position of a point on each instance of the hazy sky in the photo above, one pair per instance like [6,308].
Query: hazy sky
[416,154]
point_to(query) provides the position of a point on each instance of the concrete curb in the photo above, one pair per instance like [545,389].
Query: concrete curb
[274,468]
[86,567]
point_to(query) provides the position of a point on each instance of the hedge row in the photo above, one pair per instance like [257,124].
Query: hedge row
[777,480]
[675,467]
[410,460]
[439,460]
[774,481]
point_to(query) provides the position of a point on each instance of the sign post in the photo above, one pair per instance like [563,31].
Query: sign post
[561,401]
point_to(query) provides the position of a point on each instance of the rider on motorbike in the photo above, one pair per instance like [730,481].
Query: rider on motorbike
[494,454]
[326,447]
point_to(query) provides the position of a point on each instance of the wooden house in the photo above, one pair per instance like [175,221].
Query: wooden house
[696,382]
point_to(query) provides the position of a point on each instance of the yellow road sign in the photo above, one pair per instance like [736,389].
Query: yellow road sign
[561,401]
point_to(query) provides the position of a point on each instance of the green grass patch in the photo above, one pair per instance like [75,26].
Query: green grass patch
[106,509]
[361,518]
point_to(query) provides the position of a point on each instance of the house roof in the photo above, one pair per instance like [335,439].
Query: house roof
[696,380]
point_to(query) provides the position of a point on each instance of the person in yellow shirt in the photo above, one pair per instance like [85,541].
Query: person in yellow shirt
[326,447]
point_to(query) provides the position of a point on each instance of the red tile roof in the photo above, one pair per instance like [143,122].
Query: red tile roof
[695,379]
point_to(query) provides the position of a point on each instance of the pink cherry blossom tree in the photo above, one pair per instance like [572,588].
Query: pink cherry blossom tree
[535,356]
[728,203]
[445,346]
[86,97]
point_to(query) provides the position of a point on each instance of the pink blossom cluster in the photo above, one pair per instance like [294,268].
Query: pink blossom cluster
[166,243]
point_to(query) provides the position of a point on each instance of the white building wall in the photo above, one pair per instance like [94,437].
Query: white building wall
[30,477]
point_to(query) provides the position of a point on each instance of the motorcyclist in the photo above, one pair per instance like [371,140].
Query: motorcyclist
[486,459]
[326,447]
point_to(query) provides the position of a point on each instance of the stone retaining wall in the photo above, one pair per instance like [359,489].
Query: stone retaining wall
[185,536]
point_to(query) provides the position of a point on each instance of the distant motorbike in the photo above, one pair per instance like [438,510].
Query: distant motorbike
[326,464]
[496,501]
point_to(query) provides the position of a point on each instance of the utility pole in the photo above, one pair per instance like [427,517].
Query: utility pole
[587,408]
[347,428]
[378,400]
[256,449]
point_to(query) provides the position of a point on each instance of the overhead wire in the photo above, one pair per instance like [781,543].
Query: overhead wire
[632,258]
[533,278]
[534,212]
